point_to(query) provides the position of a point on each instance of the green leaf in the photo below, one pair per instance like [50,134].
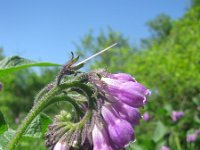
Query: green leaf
[3,125]
[5,138]
[38,126]
[45,121]
[14,63]
[159,132]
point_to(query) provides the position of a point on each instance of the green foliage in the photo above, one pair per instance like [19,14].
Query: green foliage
[160,28]
[38,126]
[20,88]
[36,129]
[159,131]
[23,85]
[5,138]
[3,125]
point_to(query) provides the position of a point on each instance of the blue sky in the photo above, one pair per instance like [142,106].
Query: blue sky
[45,30]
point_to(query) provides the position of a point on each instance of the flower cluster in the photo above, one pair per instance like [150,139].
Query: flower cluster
[109,116]
[123,96]
[176,115]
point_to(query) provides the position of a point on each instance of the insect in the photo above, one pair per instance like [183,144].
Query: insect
[71,67]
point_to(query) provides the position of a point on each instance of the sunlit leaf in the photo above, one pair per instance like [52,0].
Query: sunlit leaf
[159,132]
[14,63]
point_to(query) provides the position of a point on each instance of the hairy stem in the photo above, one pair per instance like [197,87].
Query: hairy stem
[38,107]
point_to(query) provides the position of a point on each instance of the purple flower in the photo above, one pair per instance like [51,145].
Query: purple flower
[146,116]
[176,115]
[128,92]
[165,148]
[127,112]
[120,130]
[100,139]
[1,86]
[191,138]
[60,146]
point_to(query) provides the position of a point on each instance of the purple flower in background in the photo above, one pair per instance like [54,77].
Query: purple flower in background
[129,92]
[120,130]
[100,139]
[1,86]
[146,116]
[176,115]
[191,138]
[165,148]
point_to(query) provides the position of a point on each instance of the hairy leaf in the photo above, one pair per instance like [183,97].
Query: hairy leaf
[5,138]
[14,63]
[38,126]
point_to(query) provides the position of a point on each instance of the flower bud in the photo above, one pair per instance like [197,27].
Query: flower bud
[100,139]
[129,92]
[120,130]
[127,112]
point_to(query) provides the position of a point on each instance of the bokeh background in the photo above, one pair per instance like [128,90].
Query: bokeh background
[159,44]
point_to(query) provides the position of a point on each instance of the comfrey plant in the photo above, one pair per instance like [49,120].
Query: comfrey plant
[106,109]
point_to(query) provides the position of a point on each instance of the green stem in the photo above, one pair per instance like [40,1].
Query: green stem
[177,142]
[37,108]
[29,118]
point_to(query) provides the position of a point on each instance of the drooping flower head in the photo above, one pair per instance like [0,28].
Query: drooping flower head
[108,123]
[176,115]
